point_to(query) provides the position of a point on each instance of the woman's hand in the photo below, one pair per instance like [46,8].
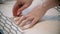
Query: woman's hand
[20,5]
[31,18]
[34,15]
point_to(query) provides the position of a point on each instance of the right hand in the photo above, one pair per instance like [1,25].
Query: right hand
[20,5]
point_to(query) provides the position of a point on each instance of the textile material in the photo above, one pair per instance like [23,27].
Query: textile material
[8,26]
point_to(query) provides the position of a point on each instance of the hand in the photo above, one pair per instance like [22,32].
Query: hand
[20,5]
[31,18]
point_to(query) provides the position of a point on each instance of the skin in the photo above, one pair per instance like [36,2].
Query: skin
[19,6]
[36,13]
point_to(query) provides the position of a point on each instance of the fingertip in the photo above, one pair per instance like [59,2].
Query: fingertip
[26,26]
[16,18]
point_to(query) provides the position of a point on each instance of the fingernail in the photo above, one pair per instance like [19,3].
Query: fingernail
[26,26]
[15,19]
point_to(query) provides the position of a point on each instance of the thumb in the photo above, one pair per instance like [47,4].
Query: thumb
[22,8]
[15,9]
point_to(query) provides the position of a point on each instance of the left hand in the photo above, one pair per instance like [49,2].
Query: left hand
[32,16]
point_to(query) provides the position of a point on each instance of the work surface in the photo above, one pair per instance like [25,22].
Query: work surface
[49,24]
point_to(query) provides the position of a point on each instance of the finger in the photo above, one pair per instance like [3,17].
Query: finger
[16,18]
[20,20]
[26,21]
[22,8]
[15,8]
[33,23]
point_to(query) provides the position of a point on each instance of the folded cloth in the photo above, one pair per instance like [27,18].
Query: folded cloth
[8,26]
